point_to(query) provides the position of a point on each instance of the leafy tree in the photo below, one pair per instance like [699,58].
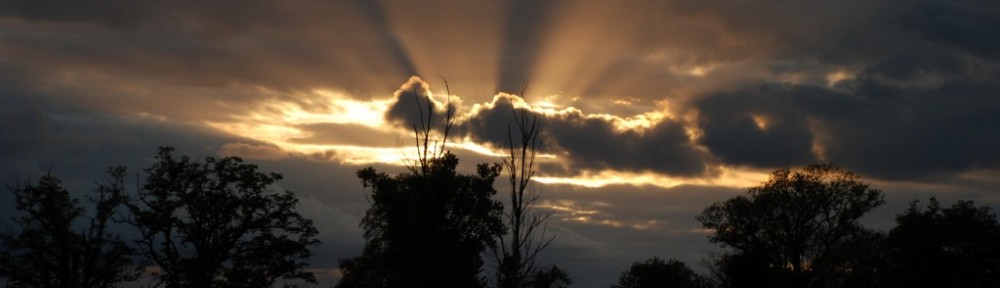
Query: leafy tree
[794,219]
[745,269]
[427,227]
[855,263]
[944,247]
[551,277]
[426,230]
[655,272]
[217,224]
[47,250]
[517,250]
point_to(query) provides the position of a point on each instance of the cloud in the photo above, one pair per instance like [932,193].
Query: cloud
[252,151]
[345,134]
[963,25]
[758,127]
[588,142]
[919,122]
[414,104]
[905,94]
[595,143]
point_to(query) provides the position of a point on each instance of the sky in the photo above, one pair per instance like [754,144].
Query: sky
[652,110]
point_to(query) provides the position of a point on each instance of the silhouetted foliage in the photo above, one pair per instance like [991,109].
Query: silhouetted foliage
[854,263]
[427,227]
[944,247]
[745,269]
[47,249]
[793,221]
[515,255]
[426,230]
[656,273]
[551,277]
[217,224]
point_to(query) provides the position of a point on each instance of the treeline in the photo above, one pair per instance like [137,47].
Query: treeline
[217,224]
[801,229]
[193,224]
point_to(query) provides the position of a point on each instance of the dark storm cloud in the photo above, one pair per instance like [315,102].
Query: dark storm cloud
[966,25]
[594,143]
[888,122]
[913,132]
[413,106]
[732,132]
[923,100]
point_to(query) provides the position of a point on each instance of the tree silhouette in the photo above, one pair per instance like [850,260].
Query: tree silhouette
[47,250]
[854,263]
[217,224]
[794,219]
[655,273]
[517,250]
[427,227]
[745,269]
[944,247]
[551,277]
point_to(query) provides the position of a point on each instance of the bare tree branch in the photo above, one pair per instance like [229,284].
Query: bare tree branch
[516,254]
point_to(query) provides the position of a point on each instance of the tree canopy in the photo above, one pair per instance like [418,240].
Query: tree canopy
[218,224]
[49,248]
[426,229]
[550,277]
[656,273]
[957,246]
[794,219]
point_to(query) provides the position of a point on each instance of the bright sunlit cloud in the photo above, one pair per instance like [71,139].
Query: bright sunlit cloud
[592,213]
[550,108]
[835,77]
[725,176]
[341,109]
[761,121]
[278,122]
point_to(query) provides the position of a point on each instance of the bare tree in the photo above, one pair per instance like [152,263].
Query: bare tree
[422,134]
[516,253]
